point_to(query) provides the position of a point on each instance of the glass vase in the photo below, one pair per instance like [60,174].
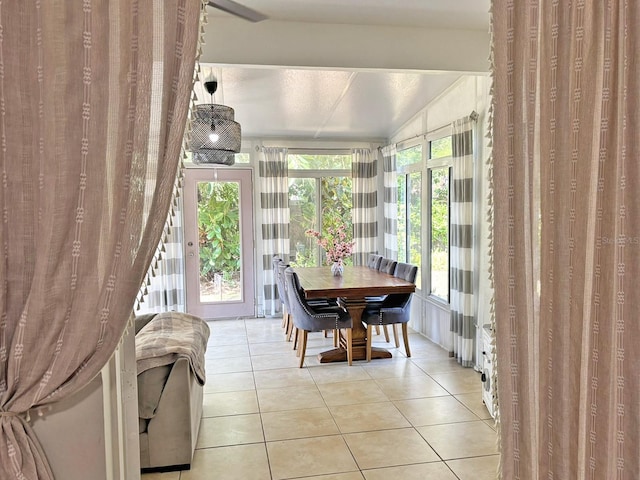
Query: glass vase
[337,268]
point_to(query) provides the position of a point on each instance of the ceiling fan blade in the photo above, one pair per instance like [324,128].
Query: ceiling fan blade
[238,10]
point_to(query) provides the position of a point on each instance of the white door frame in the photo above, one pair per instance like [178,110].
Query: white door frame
[210,310]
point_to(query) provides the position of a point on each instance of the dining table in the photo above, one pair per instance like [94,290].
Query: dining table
[351,289]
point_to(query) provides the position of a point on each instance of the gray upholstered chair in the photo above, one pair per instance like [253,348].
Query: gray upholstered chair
[313,318]
[387,265]
[393,310]
[374,261]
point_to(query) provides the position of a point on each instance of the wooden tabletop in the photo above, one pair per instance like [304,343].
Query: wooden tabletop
[355,282]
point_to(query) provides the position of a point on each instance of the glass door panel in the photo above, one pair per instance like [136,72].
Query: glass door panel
[219,241]
[218,213]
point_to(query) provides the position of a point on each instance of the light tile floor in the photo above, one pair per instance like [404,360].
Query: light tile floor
[400,418]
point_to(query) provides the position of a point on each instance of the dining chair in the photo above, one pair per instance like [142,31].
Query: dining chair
[393,310]
[387,265]
[374,261]
[309,318]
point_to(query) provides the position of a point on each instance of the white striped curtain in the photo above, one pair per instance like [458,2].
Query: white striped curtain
[462,327]
[164,290]
[390,204]
[365,205]
[274,202]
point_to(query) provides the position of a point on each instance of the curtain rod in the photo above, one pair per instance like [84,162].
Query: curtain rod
[473,116]
[307,150]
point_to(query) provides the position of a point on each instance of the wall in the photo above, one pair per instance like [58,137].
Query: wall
[297,44]
[98,426]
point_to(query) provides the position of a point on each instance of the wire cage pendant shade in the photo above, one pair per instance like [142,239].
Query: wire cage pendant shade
[215,137]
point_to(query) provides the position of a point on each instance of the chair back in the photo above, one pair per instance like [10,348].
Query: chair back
[306,316]
[406,272]
[374,261]
[387,265]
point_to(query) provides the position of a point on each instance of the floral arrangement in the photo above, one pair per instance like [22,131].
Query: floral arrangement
[335,243]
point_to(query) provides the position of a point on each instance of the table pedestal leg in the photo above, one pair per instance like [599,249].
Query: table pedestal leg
[355,307]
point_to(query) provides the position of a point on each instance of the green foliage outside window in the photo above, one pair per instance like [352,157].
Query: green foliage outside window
[219,229]
[335,203]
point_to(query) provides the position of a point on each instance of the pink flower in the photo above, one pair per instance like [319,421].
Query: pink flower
[334,243]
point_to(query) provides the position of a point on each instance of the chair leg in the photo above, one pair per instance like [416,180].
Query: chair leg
[350,346]
[386,333]
[377,329]
[295,338]
[395,334]
[303,347]
[369,333]
[405,334]
[290,329]
[284,316]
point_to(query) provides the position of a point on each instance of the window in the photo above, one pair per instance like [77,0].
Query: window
[409,162]
[425,229]
[439,166]
[319,198]
[439,241]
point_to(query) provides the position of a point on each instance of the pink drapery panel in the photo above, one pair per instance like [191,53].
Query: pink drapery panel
[94,98]
[567,237]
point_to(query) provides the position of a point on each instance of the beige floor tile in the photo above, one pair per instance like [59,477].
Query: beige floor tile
[228,365]
[437,364]
[473,401]
[461,440]
[289,398]
[310,456]
[272,362]
[434,411]
[401,388]
[400,367]
[265,337]
[350,393]
[229,382]
[368,417]
[246,462]
[284,377]
[338,476]
[389,448]
[161,476]
[230,403]
[476,468]
[216,340]
[271,348]
[312,422]
[491,422]
[423,471]
[227,326]
[232,430]
[227,351]
[465,381]
[338,373]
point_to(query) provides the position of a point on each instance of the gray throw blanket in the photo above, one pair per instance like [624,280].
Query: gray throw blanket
[169,336]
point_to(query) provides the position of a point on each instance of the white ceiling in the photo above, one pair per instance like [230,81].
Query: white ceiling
[306,102]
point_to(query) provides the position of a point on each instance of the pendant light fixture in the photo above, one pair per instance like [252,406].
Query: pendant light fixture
[215,137]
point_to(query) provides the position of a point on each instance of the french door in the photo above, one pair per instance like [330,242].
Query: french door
[218,216]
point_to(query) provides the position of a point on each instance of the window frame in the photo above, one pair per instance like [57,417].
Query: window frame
[430,165]
[406,171]
[318,175]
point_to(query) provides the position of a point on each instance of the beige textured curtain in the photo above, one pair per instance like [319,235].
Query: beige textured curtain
[567,237]
[94,97]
